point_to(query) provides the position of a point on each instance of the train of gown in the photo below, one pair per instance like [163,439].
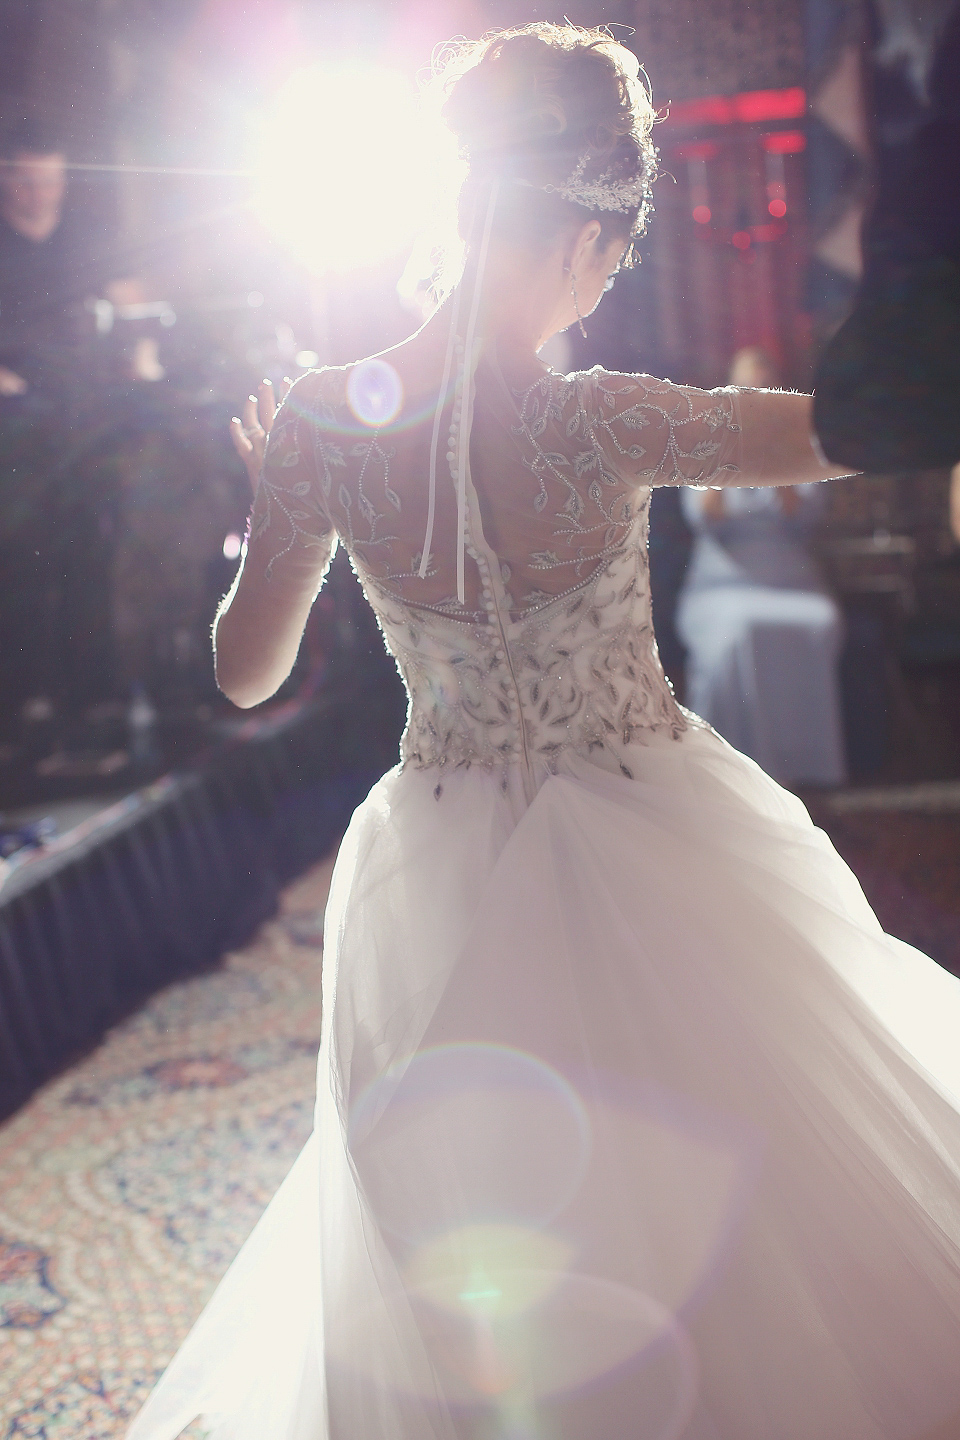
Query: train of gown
[632,1124]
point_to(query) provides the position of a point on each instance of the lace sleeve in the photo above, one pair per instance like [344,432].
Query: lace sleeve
[652,432]
[291,533]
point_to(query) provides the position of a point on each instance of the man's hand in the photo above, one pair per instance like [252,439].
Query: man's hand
[11,383]
[955,502]
[714,505]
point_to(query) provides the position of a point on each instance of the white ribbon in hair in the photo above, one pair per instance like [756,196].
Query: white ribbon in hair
[463,407]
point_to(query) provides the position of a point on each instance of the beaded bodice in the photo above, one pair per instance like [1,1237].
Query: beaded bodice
[552,649]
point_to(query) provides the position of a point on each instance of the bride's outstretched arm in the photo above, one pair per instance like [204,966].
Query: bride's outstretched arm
[779,445]
[659,433]
[260,623]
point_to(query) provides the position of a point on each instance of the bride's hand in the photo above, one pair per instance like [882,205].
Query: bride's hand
[249,435]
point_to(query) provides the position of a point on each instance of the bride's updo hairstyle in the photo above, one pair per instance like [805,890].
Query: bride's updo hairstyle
[529,106]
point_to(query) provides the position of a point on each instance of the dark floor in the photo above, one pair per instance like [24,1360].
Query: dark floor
[906,859]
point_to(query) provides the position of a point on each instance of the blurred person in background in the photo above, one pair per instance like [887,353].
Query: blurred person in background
[61,383]
[763,636]
[888,382]
[53,259]
[38,253]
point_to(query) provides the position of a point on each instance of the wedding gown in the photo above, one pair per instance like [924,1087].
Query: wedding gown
[631,1123]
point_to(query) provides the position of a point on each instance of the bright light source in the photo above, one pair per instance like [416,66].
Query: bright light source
[702,215]
[349,166]
[777,208]
[232,545]
[307,359]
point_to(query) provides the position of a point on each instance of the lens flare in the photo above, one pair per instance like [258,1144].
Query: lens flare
[478,1134]
[374,392]
[625,1357]
[493,1270]
[349,168]
[542,1239]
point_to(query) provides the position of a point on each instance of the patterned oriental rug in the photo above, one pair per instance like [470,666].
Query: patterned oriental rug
[128,1184]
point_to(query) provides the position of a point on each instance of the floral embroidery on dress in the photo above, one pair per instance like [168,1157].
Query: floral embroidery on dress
[526,670]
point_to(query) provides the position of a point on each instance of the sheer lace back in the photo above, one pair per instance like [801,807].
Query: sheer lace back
[553,647]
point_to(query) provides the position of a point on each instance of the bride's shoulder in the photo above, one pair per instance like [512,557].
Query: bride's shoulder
[323,385]
[614,381]
[320,397]
[352,401]
[619,391]
[607,391]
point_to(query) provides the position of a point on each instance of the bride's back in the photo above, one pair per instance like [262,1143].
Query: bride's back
[550,652]
[560,467]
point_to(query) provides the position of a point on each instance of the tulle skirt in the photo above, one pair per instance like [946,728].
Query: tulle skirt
[632,1124]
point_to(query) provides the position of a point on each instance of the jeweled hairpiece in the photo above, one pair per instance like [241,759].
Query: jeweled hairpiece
[606,192]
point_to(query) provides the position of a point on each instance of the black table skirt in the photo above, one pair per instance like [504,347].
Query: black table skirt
[177,875]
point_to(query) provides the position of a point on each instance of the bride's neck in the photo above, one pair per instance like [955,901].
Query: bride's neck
[520,298]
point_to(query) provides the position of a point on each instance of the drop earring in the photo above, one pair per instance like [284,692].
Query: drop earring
[573,292]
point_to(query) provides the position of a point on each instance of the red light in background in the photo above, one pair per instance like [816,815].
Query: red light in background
[701,213]
[751,107]
[741,239]
[697,150]
[785,142]
[759,105]
[777,208]
[764,234]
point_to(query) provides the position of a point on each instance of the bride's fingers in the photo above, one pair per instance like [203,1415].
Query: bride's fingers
[240,440]
[251,417]
[266,404]
[249,439]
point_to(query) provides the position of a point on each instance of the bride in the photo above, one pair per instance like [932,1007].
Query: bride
[631,1122]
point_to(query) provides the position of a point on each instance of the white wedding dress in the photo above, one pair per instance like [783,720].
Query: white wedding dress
[632,1124]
